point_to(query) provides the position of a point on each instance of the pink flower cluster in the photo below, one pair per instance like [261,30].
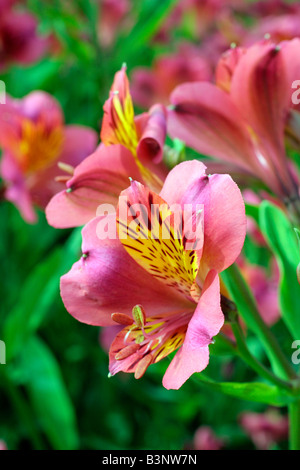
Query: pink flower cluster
[159,296]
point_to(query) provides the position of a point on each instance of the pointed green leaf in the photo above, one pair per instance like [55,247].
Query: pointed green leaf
[283,242]
[50,400]
[37,295]
[249,391]
[247,308]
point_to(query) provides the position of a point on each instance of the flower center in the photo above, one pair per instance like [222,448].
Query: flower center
[38,147]
[146,341]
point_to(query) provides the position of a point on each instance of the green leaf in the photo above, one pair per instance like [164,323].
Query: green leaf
[48,394]
[252,211]
[283,242]
[37,295]
[241,294]
[151,16]
[33,302]
[249,391]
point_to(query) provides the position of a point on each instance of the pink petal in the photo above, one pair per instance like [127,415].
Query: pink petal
[224,219]
[99,179]
[79,142]
[226,66]
[108,280]
[290,58]
[224,210]
[261,91]
[206,119]
[163,240]
[16,191]
[152,134]
[206,322]
[39,105]
[180,178]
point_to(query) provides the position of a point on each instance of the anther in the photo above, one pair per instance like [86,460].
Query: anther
[142,366]
[139,316]
[122,319]
[127,351]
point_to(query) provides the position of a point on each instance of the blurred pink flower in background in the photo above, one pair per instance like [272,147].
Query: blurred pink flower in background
[264,287]
[200,17]
[19,41]
[181,301]
[205,439]
[2,445]
[34,138]
[111,16]
[150,86]
[265,429]
[277,28]
[263,8]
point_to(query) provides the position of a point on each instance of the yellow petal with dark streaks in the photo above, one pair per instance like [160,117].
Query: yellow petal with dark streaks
[149,233]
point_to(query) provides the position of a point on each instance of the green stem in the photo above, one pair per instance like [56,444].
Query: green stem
[293,207]
[294,421]
[247,308]
[244,353]
[22,410]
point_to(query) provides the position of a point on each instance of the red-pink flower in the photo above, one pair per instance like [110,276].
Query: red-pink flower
[163,290]
[205,439]
[34,138]
[2,445]
[245,124]
[264,8]
[150,86]
[264,287]
[265,429]
[111,15]
[278,28]
[19,41]
[131,146]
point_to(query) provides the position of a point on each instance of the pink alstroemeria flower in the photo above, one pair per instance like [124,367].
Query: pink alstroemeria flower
[205,439]
[112,14]
[242,118]
[34,139]
[19,41]
[265,429]
[131,147]
[162,292]
[2,445]
[278,28]
[264,287]
[149,86]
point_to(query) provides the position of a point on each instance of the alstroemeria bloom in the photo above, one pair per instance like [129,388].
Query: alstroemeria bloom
[144,135]
[245,124]
[2,445]
[19,41]
[265,429]
[205,439]
[163,292]
[264,288]
[278,28]
[131,147]
[149,86]
[112,14]
[34,138]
